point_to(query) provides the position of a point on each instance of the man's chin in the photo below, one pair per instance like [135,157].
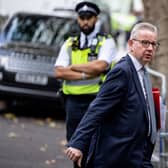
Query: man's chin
[148,60]
[86,32]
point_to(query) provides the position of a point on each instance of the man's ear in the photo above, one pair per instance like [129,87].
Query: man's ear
[96,18]
[130,43]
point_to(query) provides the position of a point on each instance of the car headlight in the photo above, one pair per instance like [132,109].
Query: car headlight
[3,60]
[1,75]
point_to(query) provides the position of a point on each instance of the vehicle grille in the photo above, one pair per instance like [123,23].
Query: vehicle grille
[31,63]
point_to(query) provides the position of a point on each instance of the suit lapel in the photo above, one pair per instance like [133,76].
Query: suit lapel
[137,83]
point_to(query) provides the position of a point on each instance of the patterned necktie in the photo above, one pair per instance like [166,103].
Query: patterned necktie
[86,42]
[150,105]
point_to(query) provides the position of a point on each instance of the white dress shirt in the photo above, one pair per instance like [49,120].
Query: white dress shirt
[138,66]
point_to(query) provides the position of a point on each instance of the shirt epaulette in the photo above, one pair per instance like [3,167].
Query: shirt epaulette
[106,35]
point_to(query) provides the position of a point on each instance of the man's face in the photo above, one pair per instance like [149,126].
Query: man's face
[144,46]
[87,23]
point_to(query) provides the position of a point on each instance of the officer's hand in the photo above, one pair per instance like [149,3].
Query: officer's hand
[74,155]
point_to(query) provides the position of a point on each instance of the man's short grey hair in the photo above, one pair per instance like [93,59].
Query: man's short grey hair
[142,26]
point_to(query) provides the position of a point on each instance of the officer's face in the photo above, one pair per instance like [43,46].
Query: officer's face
[87,23]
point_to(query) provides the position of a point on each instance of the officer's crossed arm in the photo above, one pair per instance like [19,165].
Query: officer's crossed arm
[93,68]
[66,73]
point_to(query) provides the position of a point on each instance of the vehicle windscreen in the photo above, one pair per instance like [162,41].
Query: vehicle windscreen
[37,29]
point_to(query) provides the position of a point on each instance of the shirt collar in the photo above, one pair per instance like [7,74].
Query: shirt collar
[90,36]
[138,66]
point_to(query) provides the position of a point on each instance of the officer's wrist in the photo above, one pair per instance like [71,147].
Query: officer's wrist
[83,74]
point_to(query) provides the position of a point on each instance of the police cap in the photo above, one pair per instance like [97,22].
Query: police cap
[85,8]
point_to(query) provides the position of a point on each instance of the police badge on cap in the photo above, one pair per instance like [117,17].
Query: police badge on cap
[87,7]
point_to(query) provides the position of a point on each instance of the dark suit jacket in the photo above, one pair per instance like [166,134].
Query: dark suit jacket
[118,118]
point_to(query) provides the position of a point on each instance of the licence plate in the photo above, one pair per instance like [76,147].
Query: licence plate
[31,78]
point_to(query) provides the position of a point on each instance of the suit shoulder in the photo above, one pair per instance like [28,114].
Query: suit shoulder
[123,66]
[123,63]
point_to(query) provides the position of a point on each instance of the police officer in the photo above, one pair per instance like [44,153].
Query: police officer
[82,63]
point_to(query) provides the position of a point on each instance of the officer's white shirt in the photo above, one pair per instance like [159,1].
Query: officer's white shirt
[107,51]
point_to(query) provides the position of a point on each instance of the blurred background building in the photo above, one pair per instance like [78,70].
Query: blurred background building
[126,7]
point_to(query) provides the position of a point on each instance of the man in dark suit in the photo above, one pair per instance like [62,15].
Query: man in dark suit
[119,128]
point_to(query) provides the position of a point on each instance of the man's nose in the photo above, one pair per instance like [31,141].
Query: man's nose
[85,20]
[151,47]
